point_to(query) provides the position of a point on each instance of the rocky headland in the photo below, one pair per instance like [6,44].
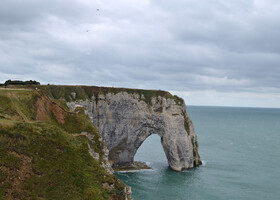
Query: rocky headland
[126,117]
[80,134]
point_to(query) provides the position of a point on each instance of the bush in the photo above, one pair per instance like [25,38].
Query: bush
[17,82]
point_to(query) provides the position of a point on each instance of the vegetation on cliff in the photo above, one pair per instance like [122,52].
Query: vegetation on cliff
[43,154]
[18,82]
[86,92]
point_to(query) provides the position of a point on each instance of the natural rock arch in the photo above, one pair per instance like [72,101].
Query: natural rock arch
[125,151]
[125,120]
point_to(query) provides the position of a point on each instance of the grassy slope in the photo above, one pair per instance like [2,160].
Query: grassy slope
[48,159]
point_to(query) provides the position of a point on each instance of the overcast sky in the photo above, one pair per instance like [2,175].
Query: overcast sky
[211,52]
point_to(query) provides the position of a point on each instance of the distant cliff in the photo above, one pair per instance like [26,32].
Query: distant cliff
[126,117]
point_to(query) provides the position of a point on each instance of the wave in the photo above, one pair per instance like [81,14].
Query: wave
[137,170]
[204,162]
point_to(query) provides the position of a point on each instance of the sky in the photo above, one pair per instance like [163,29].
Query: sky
[210,52]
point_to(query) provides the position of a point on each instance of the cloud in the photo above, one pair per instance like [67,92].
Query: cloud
[234,99]
[202,45]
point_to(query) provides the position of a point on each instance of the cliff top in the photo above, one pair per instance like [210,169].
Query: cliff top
[86,92]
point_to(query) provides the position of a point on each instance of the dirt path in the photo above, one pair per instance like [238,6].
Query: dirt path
[15,89]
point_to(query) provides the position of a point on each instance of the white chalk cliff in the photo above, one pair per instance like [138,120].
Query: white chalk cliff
[126,119]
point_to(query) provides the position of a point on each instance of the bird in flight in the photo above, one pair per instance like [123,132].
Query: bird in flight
[97,9]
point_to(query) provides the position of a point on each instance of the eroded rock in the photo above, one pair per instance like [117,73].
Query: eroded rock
[125,120]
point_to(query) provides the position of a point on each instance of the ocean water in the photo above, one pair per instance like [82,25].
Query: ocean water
[240,150]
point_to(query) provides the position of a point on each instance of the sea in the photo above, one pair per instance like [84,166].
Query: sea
[240,152]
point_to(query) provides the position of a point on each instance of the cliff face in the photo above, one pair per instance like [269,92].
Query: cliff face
[125,119]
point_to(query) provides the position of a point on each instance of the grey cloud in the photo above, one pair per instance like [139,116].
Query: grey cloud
[173,45]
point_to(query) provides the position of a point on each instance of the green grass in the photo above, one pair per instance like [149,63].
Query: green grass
[8,160]
[61,166]
[86,92]
[18,104]
[61,103]
[3,176]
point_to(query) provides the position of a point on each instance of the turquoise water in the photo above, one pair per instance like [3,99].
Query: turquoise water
[240,150]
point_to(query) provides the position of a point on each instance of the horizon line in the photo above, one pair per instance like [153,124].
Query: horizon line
[233,106]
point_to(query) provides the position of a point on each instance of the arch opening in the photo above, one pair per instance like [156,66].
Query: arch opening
[151,152]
